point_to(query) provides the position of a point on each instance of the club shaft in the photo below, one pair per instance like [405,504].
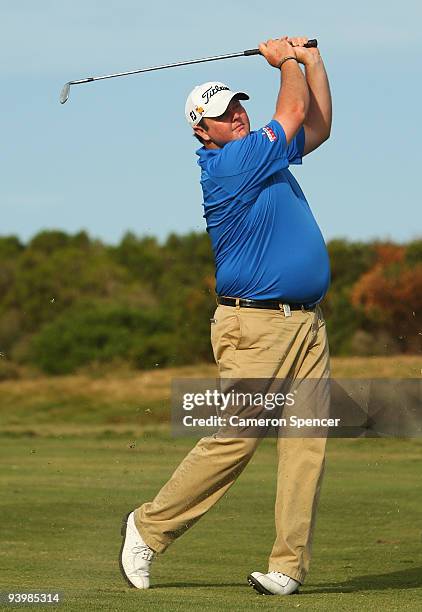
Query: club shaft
[66,88]
[311,43]
[186,63]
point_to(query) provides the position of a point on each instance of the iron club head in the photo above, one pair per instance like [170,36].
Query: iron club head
[65,93]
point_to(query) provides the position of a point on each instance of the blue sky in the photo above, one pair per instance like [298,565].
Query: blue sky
[119,156]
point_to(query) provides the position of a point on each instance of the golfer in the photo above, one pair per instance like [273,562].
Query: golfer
[272,270]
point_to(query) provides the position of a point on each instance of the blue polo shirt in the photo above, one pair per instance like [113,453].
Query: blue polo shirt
[266,242]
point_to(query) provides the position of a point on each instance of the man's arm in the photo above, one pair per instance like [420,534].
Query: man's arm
[293,98]
[317,123]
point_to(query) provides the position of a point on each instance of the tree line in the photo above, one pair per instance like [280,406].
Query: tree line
[69,300]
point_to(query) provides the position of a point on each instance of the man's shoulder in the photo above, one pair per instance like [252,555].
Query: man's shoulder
[205,156]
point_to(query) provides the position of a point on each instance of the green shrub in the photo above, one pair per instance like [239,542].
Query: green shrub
[99,333]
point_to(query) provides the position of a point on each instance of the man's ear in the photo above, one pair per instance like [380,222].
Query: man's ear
[202,133]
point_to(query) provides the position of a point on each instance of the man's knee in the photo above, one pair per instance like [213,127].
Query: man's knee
[237,448]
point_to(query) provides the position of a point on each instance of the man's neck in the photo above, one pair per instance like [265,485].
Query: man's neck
[211,145]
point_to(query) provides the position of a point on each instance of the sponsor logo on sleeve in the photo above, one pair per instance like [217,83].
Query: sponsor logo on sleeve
[269,133]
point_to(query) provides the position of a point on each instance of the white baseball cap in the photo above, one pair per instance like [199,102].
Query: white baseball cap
[209,100]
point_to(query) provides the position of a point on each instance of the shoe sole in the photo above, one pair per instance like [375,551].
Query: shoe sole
[255,584]
[123,533]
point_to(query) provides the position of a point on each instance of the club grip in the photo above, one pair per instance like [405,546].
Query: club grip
[311,43]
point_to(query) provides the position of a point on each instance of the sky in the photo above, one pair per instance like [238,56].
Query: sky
[119,156]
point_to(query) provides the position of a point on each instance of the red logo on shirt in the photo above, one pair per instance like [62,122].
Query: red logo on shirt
[267,131]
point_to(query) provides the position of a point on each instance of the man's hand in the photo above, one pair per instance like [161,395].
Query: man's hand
[304,55]
[274,50]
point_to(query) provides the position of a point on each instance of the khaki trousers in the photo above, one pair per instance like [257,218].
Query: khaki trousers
[252,343]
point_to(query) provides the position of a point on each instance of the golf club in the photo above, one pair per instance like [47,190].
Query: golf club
[64,96]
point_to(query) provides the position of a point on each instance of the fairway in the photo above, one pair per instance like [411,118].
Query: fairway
[66,495]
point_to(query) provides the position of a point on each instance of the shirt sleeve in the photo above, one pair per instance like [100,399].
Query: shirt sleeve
[245,163]
[296,147]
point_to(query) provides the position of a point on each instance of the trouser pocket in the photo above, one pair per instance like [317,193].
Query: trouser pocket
[225,336]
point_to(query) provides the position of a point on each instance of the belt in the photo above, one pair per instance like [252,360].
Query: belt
[267,304]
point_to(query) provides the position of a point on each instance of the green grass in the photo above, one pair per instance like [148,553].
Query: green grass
[122,400]
[63,498]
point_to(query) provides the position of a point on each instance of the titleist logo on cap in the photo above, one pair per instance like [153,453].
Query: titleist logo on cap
[209,93]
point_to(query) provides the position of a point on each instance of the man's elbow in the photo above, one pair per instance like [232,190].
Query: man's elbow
[325,135]
[328,129]
[297,116]
[299,113]
[319,126]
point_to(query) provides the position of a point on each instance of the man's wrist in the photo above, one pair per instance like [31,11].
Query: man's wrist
[314,60]
[285,59]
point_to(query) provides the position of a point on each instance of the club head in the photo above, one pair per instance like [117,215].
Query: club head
[65,93]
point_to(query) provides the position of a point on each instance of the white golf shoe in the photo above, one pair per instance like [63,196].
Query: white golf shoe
[273,583]
[135,555]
